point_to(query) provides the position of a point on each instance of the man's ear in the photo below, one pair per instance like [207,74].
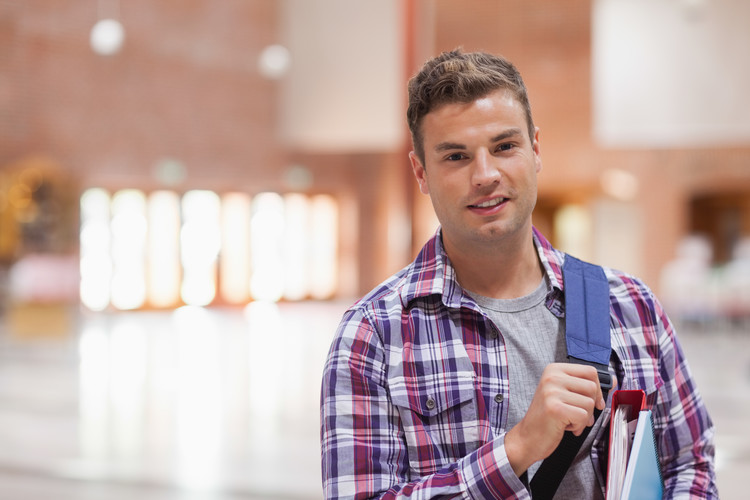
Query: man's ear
[537,151]
[419,172]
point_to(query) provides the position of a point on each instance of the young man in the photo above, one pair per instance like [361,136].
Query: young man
[449,380]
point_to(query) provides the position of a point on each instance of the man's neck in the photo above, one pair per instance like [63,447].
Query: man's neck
[499,271]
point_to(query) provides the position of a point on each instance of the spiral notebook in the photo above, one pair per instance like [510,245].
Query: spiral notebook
[634,471]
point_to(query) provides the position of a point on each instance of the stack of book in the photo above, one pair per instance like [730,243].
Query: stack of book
[634,471]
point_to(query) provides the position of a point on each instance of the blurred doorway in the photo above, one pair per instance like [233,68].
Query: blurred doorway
[723,218]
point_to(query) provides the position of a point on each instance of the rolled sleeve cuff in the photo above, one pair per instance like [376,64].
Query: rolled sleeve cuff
[487,474]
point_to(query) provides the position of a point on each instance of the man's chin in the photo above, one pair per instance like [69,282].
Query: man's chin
[499,231]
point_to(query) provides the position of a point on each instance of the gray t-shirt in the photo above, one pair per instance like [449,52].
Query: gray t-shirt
[534,338]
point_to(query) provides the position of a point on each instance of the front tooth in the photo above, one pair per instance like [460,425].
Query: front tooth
[489,203]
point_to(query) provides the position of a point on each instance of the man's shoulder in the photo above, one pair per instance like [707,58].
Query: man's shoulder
[624,284]
[423,277]
[377,315]
[632,301]
[387,293]
[629,295]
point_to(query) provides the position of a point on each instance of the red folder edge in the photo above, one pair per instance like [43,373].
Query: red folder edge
[636,398]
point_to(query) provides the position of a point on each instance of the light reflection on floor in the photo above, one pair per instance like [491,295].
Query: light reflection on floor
[198,400]
[223,404]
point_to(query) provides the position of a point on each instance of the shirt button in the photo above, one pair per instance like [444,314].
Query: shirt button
[493,334]
[430,403]
[498,398]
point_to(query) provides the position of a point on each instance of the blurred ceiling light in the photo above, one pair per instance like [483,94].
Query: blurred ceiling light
[274,62]
[694,8]
[298,178]
[170,172]
[32,178]
[20,196]
[573,227]
[107,37]
[619,184]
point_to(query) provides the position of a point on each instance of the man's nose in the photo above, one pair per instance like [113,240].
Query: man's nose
[485,171]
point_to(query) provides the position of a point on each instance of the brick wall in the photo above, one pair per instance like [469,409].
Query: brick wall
[184,86]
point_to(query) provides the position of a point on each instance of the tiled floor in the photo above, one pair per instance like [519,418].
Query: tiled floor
[223,405]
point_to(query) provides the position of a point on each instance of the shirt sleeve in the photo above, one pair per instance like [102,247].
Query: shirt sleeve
[683,426]
[363,448]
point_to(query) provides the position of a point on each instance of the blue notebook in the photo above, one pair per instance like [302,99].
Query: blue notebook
[643,480]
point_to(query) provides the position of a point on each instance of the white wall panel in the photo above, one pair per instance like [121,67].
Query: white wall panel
[345,89]
[671,73]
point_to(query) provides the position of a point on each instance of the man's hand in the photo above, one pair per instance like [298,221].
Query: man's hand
[564,401]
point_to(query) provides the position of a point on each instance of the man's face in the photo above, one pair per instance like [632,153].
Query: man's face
[480,170]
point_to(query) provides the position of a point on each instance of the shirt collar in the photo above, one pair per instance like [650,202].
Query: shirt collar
[433,274]
[552,262]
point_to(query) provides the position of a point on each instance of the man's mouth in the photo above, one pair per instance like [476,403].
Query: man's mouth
[489,203]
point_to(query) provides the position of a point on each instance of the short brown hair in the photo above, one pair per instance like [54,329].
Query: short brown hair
[456,76]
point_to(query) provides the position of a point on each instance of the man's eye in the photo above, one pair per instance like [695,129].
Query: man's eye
[455,157]
[505,147]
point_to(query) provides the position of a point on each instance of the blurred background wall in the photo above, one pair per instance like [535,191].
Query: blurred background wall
[248,159]
[644,124]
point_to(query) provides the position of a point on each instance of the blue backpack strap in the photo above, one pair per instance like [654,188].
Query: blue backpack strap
[587,314]
[588,341]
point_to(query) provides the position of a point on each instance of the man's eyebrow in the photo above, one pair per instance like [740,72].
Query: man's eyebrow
[505,134]
[447,146]
[511,132]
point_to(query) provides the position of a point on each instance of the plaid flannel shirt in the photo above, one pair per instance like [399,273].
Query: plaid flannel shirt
[415,389]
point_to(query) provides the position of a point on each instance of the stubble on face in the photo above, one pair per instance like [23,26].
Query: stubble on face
[467,166]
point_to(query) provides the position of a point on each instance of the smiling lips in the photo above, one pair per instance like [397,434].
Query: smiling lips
[494,202]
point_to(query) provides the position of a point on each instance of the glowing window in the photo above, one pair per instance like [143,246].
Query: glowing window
[200,241]
[96,263]
[266,247]
[234,278]
[323,246]
[128,228]
[164,249]
[161,249]
[296,246]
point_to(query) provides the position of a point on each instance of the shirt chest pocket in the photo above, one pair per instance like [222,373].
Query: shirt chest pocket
[439,418]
